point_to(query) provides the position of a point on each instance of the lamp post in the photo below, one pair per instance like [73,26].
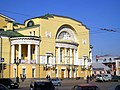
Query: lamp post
[17,62]
[68,68]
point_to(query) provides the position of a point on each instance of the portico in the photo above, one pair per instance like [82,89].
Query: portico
[25,48]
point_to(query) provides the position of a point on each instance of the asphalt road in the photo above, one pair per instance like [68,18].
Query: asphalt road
[68,84]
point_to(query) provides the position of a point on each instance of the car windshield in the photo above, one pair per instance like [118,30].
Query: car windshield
[43,86]
[99,75]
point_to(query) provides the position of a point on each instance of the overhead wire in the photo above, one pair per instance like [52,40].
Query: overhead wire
[99,29]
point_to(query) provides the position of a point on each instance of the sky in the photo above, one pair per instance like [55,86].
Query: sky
[102,17]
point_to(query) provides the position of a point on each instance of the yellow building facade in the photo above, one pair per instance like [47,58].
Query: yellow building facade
[47,45]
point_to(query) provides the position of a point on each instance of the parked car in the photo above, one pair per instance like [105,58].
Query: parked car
[42,85]
[99,77]
[85,87]
[104,77]
[2,87]
[115,79]
[117,87]
[56,81]
[8,83]
[118,77]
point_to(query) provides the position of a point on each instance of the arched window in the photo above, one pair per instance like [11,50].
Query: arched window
[64,35]
[30,23]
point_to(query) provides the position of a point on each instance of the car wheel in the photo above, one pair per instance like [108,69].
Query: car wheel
[8,87]
[59,84]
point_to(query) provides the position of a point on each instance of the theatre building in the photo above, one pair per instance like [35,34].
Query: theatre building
[46,45]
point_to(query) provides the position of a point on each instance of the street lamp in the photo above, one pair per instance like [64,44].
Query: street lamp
[68,68]
[17,62]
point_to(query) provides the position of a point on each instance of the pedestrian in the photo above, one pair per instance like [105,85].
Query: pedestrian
[47,77]
[87,79]
[31,86]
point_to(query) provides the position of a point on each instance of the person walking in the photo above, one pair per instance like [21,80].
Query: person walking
[87,79]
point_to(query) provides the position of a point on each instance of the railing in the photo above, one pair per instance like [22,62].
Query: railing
[28,61]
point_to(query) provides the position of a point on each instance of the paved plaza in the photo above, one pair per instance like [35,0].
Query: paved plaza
[67,84]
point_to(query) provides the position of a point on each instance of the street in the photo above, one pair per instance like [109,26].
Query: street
[68,84]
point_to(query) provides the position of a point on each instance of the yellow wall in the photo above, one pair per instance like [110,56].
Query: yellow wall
[47,44]
[2,22]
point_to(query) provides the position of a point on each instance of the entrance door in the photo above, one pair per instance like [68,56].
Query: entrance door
[62,73]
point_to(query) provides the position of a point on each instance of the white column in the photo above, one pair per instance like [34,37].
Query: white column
[13,53]
[65,55]
[70,72]
[58,55]
[65,73]
[57,73]
[36,53]
[70,56]
[19,51]
[75,57]
[29,52]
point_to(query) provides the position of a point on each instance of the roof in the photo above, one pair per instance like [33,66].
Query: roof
[100,66]
[10,19]
[47,16]
[10,33]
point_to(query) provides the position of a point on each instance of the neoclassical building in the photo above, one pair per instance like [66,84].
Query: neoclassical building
[47,45]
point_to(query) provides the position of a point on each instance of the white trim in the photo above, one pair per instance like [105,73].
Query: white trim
[29,52]
[24,42]
[7,17]
[20,51]
[23,67]
[65,45]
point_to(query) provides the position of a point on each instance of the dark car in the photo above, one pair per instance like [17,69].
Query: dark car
[85,87]
[115,79]
[8,83]
[2,87]
[116,87]
[42,85]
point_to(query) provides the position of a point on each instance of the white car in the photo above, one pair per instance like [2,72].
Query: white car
[99,77]
[103,77]
[107,77]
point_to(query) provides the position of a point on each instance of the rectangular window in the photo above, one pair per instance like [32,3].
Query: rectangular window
[33,72]
[60,55]
[48,59]
[24,72]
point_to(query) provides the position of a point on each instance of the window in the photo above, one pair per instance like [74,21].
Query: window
[64,35]
[104,60]
[110,59]
[30,33]
[30,23]
[60,55]
[33,72]
[48,59]
[24,72]
[96,60]
[33,33]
